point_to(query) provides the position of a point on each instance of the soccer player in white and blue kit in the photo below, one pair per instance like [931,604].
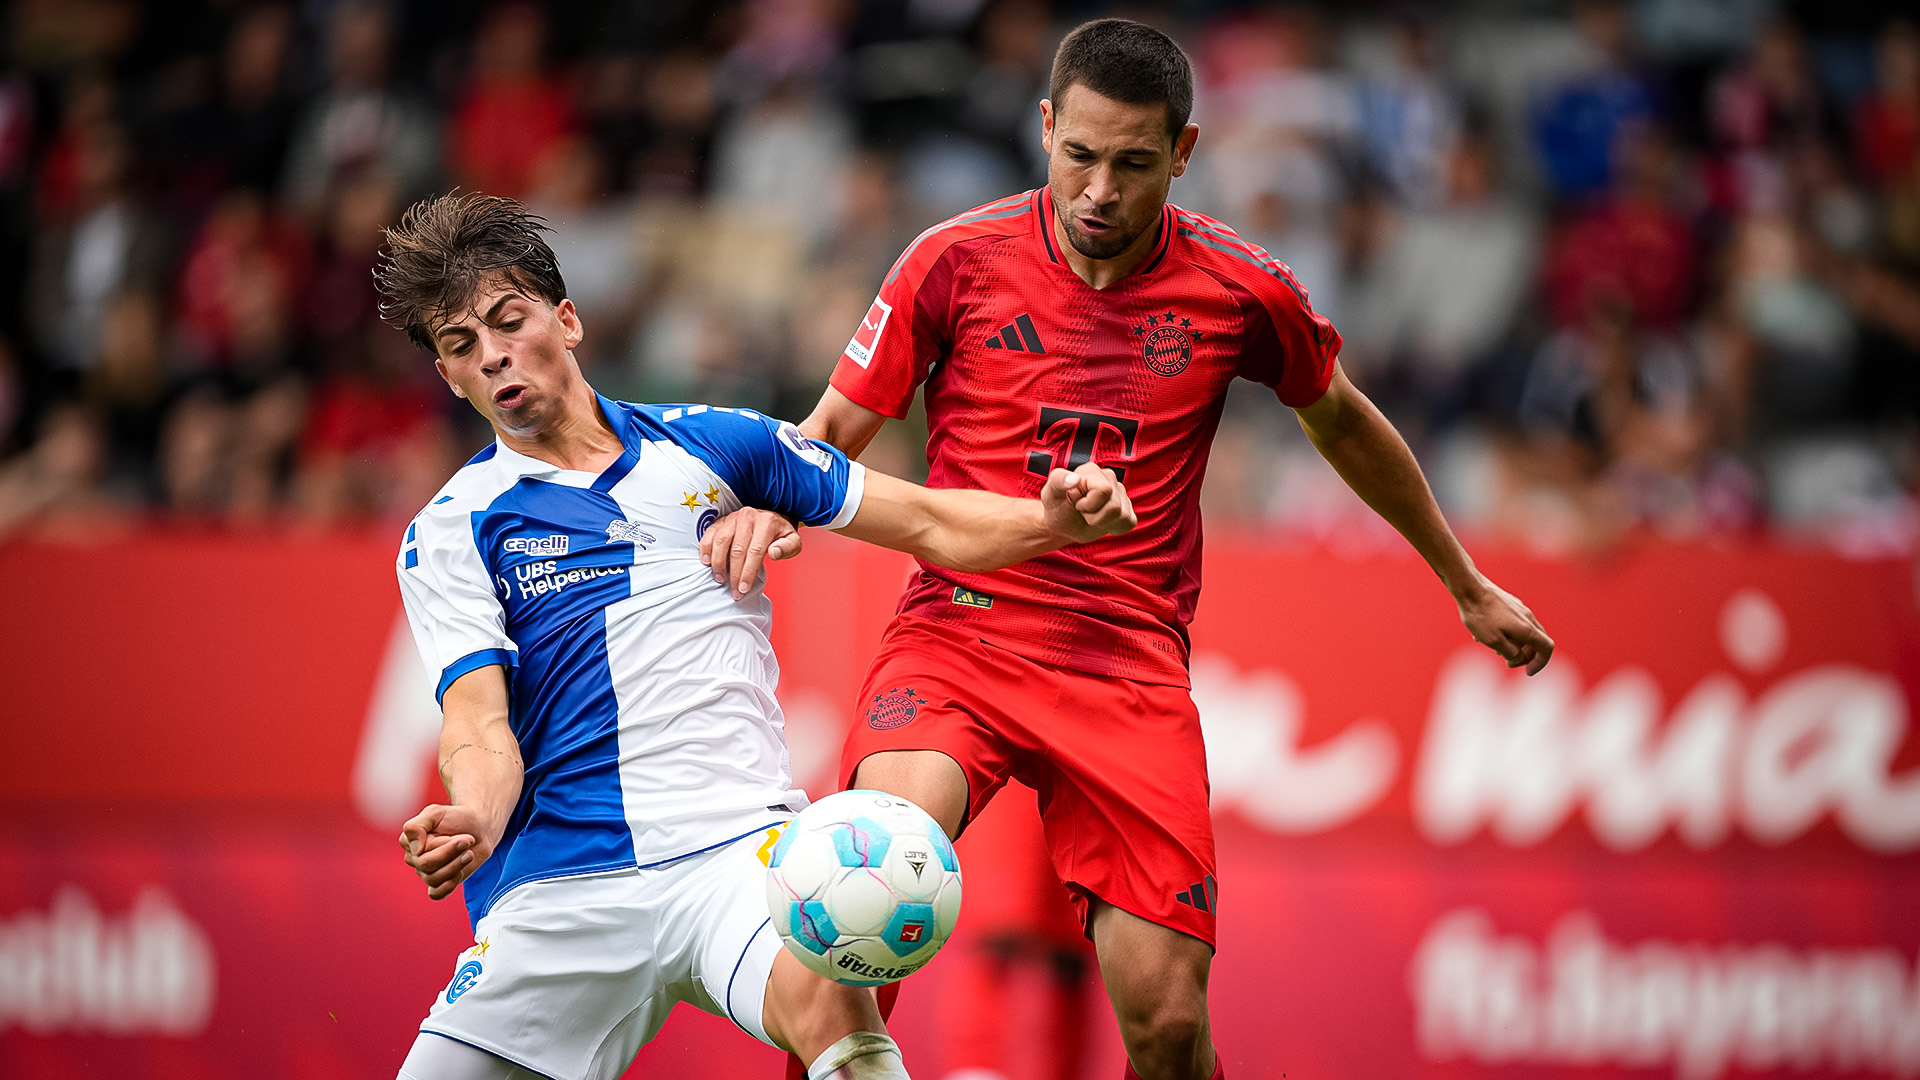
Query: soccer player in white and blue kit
[611,744]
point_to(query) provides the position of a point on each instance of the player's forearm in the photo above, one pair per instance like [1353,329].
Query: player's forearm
[481,770]
[838,421]
[480,760]
[977,531]
[1367,451]
[960,529]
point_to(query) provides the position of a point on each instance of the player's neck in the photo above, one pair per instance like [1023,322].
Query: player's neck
[579,438]
[1101,273]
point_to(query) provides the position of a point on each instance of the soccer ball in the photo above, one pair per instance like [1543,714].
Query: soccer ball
[863,887]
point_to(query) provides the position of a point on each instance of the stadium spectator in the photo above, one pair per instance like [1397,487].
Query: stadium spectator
[360,120]
[94,238]
[221,121]
[239,287]
[1578,119]
[513,112]
[672,160]
[1886,122]
[1631,248]
[57,487]
[1410,117]
[1443,290]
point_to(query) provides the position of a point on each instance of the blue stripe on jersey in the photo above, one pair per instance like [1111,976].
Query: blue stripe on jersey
[567,719]
[473,661]
[766,462]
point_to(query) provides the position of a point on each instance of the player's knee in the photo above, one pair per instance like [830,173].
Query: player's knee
[1166,1024]
[930,779]
[1168,1029]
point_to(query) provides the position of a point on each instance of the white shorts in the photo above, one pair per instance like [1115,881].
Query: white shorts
[569,977]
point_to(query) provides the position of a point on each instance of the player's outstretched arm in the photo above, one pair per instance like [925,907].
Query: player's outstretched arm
[974,531]
[737,545]
[480,765]
[1369,454]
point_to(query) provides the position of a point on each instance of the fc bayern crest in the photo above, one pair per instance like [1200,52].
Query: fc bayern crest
[1166,343]
[895,708]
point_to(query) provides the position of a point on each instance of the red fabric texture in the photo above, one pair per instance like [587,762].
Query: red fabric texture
[1119,766]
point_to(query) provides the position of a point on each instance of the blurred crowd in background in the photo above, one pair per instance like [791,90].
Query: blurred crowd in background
[1615,268]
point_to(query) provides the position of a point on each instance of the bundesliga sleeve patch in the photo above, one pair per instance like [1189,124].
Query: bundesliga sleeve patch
[860,349]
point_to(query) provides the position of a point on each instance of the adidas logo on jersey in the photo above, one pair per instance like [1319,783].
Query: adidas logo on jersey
[1018,335]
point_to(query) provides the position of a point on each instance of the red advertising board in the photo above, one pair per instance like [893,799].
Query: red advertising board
[1688,848]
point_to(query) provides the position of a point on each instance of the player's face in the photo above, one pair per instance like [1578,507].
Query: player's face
[1110,165]
[511,357]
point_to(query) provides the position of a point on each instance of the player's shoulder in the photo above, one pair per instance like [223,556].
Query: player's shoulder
[1004,219]
[473,487]
[686,423]
[1218,250]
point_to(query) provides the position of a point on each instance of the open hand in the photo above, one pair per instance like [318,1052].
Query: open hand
[1498,620]
[1087,503]
[737,545]
[445,845]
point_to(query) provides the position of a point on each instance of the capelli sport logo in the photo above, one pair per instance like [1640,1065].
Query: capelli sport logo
[540,547]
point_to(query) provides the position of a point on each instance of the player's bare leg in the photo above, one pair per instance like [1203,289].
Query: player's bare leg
[928,778]
[836,1029]
[1157,980]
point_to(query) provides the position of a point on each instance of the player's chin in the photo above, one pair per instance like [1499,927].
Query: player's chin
[1108,244]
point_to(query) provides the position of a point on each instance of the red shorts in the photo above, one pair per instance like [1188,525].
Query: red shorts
[1119,766]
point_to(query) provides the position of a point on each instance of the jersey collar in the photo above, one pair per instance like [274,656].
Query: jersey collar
[618,417]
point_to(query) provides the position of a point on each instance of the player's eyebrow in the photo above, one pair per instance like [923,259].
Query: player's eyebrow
[1079,147]
[492,314]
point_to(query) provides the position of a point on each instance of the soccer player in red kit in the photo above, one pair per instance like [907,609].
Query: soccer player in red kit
[1093,321]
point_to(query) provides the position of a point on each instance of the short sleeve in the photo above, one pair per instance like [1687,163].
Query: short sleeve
[900,339]
[1286,344]
[458,623]
[770,465]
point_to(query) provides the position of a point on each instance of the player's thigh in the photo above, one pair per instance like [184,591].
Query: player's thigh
[942,694]
[719,910]
[563,978]
[1124,802]
[436,1057]
[1149,969]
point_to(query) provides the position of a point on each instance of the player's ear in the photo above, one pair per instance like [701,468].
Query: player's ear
[440,366]
[1046,126]
[1183,147]
[570,321]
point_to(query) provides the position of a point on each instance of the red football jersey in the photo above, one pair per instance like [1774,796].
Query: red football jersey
[1028,368]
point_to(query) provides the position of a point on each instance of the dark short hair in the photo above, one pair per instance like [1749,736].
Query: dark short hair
[1126,61]
[446,245]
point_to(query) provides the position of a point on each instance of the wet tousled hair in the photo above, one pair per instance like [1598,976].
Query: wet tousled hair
[1126,61]
[444,248]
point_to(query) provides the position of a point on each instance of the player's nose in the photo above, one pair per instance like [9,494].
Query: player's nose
[1100,187]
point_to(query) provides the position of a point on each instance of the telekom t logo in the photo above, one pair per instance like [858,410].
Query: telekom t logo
[1081,439]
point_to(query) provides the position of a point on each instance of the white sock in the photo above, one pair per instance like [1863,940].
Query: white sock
[863,1055]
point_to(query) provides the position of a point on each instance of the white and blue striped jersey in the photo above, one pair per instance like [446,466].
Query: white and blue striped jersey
[642,692]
